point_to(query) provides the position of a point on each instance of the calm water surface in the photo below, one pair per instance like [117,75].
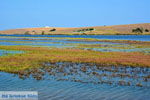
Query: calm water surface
[63,42]
[115,37]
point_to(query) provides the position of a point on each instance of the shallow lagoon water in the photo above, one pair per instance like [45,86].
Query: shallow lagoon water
[48,42]
[63,42]
[81,87]
[111,37]
[63,90]
[9,52]
[52,88]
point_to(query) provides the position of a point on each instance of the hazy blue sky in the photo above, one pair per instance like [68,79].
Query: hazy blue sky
[72,13]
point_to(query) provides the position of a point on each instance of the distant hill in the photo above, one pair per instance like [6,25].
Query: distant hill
[115,29]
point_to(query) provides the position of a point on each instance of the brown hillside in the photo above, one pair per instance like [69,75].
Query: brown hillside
[115,29]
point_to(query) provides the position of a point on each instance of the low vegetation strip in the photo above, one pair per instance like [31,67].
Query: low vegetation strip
[108,40]
[36,56]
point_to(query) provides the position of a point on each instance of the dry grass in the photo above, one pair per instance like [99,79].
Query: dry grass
[116,29]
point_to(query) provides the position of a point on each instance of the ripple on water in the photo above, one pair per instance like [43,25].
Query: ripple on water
[51,89]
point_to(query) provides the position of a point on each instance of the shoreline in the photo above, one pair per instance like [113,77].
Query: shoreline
[73,34]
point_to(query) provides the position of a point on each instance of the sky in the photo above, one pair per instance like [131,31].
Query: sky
[72,13]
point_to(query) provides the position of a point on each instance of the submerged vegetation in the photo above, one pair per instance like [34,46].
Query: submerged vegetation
[90,73]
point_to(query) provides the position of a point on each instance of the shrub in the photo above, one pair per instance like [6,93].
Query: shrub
[146,30]
[52,30]
[43,32]
[137,30]
[27,33]
[91,29]
[84,30]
